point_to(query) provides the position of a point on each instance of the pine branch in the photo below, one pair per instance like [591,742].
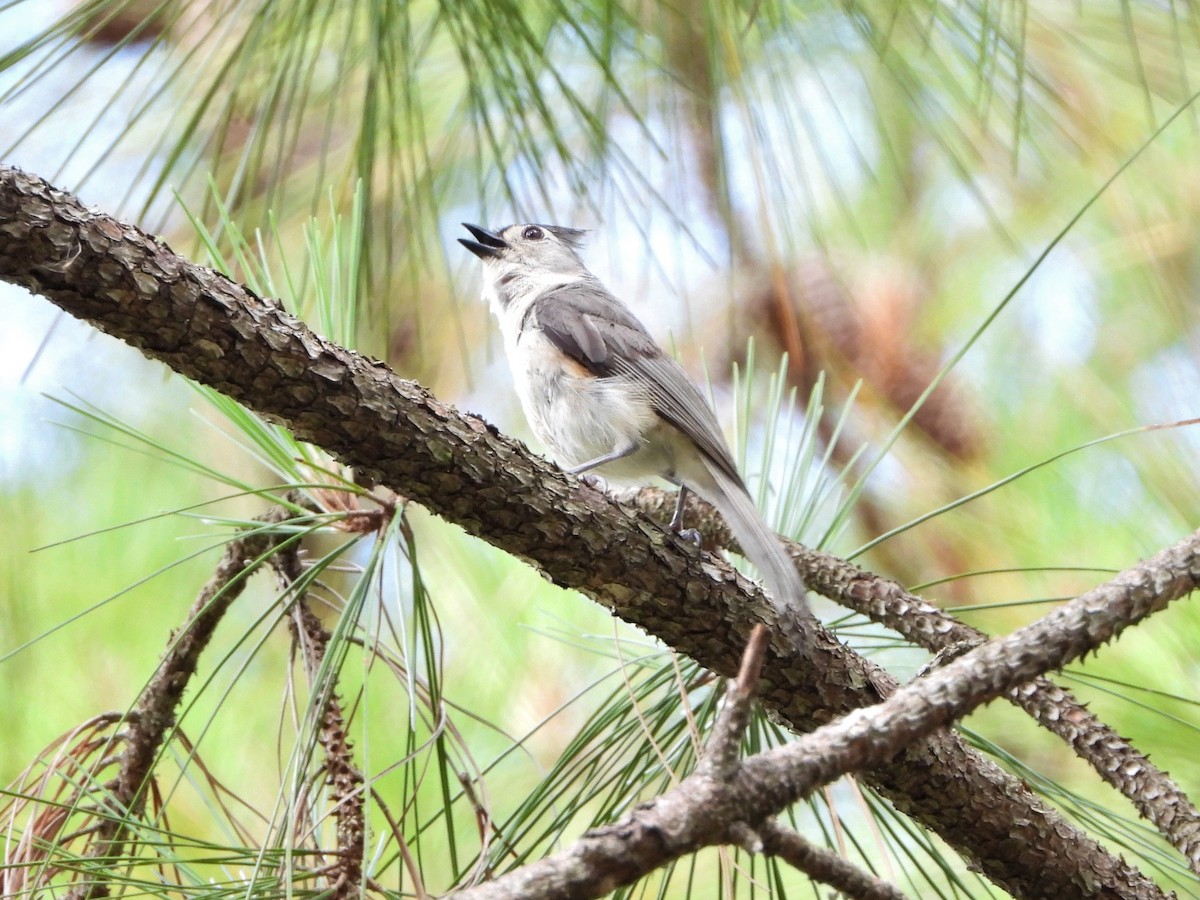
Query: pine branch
[1155,794]
[711,805]
[345,874]
[214,331]
[823,865]
[720,761]
[152,721]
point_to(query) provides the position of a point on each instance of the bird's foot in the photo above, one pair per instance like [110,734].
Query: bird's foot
[592,480]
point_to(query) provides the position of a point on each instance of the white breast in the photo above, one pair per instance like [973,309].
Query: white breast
[580,417]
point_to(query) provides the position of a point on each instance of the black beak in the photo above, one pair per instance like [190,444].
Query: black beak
[487,245]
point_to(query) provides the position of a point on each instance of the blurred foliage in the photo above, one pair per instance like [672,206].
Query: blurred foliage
[869,187]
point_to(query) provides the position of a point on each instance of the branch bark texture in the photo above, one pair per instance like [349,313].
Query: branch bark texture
[1155,794]
[212,330]
[700,810]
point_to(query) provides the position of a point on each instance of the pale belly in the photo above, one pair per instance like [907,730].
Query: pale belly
[580,417]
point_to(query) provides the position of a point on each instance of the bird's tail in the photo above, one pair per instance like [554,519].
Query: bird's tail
[760,544]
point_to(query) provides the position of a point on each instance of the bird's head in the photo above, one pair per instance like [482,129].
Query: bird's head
[522,261]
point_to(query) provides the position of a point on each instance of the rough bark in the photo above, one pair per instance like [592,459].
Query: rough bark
[1155,794]
[721,800]
[212,330]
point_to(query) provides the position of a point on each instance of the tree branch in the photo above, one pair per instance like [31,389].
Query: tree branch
[823,865]
[345,874]
[154,717]
[700,810]
[1155,794]
[216,332]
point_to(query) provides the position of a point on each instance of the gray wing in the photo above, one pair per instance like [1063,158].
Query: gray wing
[592,327]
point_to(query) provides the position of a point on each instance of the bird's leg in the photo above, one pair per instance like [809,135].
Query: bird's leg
[680,503]
[595,480]
[676,524]
[619,453]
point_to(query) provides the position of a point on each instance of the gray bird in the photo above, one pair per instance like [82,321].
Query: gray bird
[601,395]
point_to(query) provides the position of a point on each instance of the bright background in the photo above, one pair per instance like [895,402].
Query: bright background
[861,190]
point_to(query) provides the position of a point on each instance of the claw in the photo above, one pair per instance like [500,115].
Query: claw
[592,480]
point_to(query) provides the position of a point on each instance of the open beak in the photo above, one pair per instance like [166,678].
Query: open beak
[487,244]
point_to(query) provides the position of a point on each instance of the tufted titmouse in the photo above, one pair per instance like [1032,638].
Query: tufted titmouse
[601,394]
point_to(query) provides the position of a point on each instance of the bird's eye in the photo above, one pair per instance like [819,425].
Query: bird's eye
[533,233]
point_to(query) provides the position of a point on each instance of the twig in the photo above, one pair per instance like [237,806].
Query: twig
[720,761]
[345,875]
[823,865]
[720,757]
[155,713]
